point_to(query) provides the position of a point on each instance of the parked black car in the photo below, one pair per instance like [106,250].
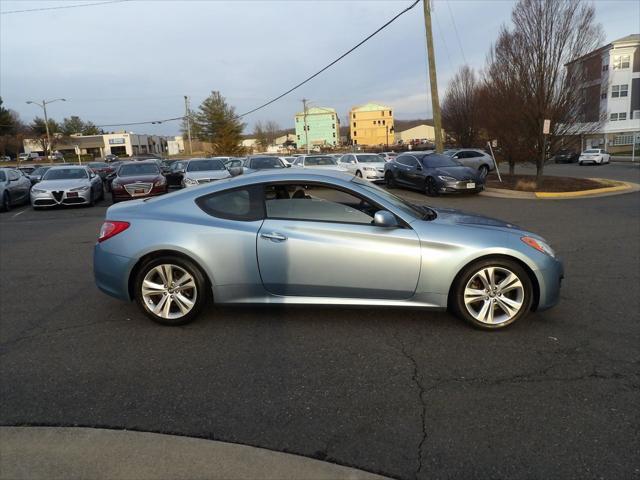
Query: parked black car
[432,173]
[566,156]
[175,173]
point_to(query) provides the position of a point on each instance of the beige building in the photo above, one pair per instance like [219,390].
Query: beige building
[419,132]
[371,124]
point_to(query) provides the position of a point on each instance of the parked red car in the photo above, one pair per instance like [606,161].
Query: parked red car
[138,180]
[102,169]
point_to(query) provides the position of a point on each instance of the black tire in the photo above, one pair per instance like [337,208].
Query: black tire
[92,201]
[430,187]
[202,288]
[456,298]
[390,180]
[580,163]
[358,174]
[483,171]
[6,202]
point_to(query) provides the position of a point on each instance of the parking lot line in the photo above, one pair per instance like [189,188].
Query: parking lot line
[20,212]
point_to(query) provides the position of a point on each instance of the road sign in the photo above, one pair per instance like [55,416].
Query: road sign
[546,127]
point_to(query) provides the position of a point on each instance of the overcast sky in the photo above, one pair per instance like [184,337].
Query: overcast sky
[135,60]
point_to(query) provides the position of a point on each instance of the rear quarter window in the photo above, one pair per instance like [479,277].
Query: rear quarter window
[243,204]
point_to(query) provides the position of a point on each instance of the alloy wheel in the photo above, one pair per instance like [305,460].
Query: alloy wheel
[169,291]
[494,295]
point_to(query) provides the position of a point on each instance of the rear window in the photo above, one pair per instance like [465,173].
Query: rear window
[244,204]
[592,151]
[131,169]
[205,165]
[313,161]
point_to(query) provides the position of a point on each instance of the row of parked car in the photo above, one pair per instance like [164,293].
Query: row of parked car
[71,184]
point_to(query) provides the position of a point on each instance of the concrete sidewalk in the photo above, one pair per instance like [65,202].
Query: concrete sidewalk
[85,453]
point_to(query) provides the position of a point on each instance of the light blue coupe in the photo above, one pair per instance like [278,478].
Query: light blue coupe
[304,236]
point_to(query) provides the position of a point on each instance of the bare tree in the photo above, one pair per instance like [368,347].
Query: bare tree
[272,129]
[546,35]
[460,107]
[260,134]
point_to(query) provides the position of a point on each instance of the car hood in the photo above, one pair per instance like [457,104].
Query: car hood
[63,184]
[339,168]
[459,173]
[137,179]
[458,217]
[217,174]
[374,165]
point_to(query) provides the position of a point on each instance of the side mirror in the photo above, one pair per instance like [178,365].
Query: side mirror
[456,157]
[385,219]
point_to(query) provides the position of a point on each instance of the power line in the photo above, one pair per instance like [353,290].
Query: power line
[142,123]
[446,48]
[64,7]
[332,63]
[456,31]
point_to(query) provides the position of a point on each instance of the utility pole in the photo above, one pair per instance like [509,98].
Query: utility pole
[187,114]
[43,105]
[435,102]
[306,132]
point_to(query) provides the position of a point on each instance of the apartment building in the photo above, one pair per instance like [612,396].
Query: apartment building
[322,127]
[611,109]
[371,124]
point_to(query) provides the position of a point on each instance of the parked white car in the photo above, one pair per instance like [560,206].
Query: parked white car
[473,158]
[597,156]
[369,166]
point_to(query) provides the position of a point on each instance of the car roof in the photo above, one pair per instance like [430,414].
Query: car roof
[62,167]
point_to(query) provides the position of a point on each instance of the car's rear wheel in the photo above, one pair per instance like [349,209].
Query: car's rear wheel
[170,290]
[391,182]
[492,294]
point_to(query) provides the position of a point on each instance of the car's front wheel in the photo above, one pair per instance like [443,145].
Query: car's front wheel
[492,294]
[170,290]
[390,181]
[483,171]
[6,202]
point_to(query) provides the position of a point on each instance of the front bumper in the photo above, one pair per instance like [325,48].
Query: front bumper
[549,281]
[460,187]
[121,194]
[60,197]
[377,176]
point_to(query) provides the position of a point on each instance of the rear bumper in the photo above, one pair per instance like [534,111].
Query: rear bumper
[111,272]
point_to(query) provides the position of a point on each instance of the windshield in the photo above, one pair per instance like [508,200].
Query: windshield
[65,174]
[370,158]
[131,169]
[266,162]
[205,165]
[325,160]
[435,161]
[40,171]
[396,201]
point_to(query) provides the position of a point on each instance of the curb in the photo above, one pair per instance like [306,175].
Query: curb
[623,187]
[70,453]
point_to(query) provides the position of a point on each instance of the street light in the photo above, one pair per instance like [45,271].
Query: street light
[43,106]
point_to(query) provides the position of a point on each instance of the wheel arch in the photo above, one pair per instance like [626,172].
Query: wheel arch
[525,267]
[161,253]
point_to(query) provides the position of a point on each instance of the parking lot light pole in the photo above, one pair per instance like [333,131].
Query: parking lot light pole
[43,105]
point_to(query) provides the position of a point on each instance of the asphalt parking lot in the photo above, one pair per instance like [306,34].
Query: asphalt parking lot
[403,393]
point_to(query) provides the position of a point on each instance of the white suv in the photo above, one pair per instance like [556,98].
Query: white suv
[473,158]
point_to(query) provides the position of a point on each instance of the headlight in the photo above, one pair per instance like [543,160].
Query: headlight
[37,190]
[369,169]
[79,189]
[446,178]
[539,245]
[160,182]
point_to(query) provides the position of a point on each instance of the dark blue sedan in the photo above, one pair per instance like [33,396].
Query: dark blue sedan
[432,173]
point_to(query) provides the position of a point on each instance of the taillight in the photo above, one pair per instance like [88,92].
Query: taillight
[110,228]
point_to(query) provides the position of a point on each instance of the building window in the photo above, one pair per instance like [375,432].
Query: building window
[333,125]
[334,134]
[297,119]
[383,113]
[384,122]
[623,140]
[624,90]
[333,117]
[605,67]
[354,124]
[620,62]
[613,117]
[354,115]
[390,114]
[636,114]
[622,116]
[603,95]
[298,137]
[355,134]
[619,91]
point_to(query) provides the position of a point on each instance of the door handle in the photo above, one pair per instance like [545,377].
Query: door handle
[276,237]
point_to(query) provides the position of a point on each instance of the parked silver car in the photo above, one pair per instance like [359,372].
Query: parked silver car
[14,188]
[298,236]
[322,162]
[204,170]
[473,158]
[369,166]
[67,186]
